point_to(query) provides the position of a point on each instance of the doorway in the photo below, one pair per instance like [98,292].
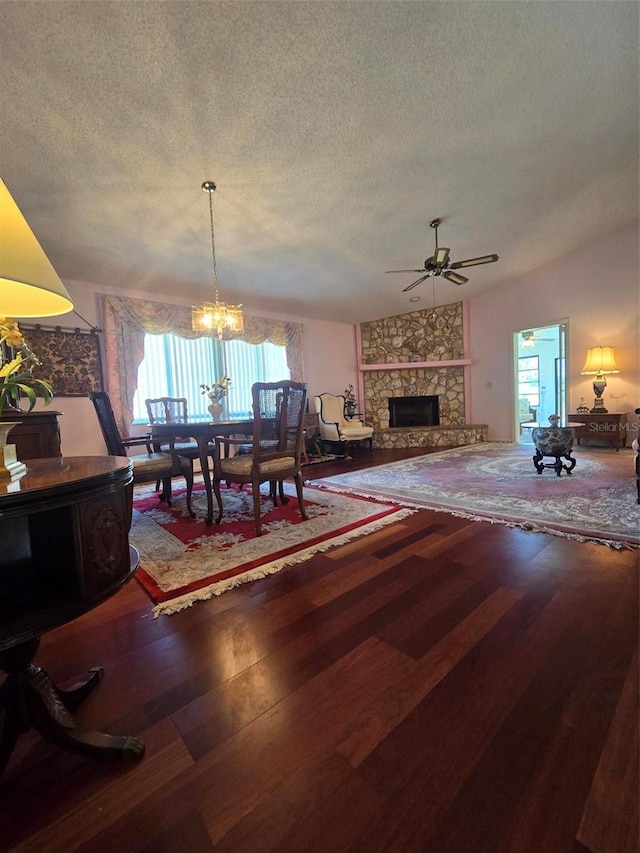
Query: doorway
[540,377]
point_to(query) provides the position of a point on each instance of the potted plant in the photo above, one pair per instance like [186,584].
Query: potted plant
[16,378]
[350,402]
[216,393]
[16,369]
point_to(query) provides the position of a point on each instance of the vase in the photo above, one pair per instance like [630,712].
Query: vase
[215,410]
[10,467]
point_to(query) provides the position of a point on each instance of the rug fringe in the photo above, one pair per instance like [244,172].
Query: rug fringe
[617,545]
[167,608]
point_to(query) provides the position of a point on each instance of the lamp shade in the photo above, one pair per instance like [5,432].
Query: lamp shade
[600,360]
[29,285]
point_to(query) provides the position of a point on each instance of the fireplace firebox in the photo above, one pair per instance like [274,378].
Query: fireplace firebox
[414,411]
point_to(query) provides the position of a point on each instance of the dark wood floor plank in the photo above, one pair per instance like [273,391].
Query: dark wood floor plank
[420,775]
[425,623]
[112,795]
[307,647]
[540,758]
[440,685]
[380,718]
[229,782]
[292,805]
[220,714]
[610,820]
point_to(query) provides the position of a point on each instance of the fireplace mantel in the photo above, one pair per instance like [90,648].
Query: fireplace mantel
[408,365]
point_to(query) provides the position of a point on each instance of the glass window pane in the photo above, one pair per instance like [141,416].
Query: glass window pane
[176,367]
[529,379]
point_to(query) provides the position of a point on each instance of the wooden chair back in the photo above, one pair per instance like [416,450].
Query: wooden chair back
[163,409]
[278,417]
[107,421]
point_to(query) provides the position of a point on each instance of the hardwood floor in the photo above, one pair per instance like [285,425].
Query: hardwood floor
[442,686]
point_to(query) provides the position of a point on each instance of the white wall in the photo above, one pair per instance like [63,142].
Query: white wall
[596,290]
[329,363]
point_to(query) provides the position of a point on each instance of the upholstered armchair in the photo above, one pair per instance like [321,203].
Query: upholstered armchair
[334,426]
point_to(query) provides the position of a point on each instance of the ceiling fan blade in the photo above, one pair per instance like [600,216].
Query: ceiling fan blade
[455,277]
[422,270]
[415,283]
[473,262]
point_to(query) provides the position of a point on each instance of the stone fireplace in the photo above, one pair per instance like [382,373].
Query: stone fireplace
[403,353]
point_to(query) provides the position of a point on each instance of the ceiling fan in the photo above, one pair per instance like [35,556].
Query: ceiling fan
[438,264]
[529,339]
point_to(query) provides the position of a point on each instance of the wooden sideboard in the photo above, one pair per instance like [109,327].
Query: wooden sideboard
[610,428]
[37,436]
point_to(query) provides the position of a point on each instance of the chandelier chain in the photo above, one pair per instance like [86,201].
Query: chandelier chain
[213,242]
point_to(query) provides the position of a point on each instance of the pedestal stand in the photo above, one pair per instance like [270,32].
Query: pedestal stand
[29,699]
[555,441]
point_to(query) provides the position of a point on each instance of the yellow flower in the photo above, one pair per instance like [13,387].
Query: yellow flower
[16,372]
[10,333]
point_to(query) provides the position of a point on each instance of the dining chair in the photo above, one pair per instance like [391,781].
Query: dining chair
[275,446]
[174,409]
[150,466]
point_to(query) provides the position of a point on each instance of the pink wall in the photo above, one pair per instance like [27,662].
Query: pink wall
[329,364]
[596,290]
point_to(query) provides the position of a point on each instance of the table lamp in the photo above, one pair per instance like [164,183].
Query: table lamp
[29,285]
[600,361]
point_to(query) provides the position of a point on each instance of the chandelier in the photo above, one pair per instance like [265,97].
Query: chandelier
[219,317]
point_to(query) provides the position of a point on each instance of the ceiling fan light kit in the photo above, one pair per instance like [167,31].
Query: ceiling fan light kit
[438,264]
[455,277]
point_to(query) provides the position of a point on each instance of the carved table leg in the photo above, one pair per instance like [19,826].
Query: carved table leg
[29,699]
[536,461]
[203,442]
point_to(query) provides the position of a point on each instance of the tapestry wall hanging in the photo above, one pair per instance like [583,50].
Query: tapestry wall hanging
[70,359]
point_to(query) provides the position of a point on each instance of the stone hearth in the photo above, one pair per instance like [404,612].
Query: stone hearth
[437,436]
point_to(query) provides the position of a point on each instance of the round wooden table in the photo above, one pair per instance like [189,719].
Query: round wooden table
[64,529]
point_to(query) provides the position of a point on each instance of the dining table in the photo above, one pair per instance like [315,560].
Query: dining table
[203,432]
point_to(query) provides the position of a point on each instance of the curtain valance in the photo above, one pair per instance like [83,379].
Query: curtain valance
[127,320]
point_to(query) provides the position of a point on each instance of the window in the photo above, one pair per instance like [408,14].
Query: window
[529,380]
[176,367]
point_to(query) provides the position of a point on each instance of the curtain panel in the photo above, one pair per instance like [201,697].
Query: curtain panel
[126,321]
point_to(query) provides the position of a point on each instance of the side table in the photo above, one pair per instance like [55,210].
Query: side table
[610,428]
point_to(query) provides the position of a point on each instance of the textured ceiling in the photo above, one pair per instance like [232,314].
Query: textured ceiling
[334,131]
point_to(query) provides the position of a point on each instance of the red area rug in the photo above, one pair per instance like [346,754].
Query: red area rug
[497,482]
[183,560]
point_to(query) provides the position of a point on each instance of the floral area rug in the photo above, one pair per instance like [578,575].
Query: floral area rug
[183,560]
[497,482]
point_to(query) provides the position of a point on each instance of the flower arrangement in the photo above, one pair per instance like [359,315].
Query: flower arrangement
[350,402]
[219,390]
[16,370]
